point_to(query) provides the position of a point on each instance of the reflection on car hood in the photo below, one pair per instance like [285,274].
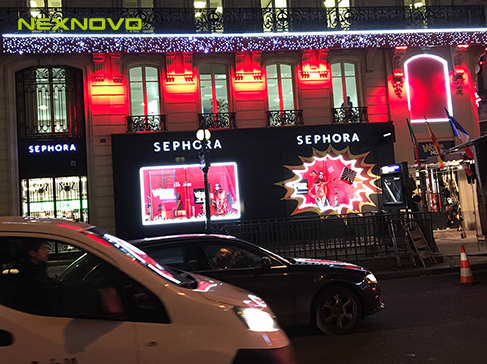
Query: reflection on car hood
[217,291]
[329,263]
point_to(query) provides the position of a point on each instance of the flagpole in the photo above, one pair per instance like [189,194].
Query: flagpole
[415,143]
[435,144]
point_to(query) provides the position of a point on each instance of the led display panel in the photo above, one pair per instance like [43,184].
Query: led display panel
[176,193]
[333,181]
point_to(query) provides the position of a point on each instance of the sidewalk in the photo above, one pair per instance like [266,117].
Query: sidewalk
[449,244]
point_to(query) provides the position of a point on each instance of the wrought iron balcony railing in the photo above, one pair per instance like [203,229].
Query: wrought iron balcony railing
[350,115]
[139,123]
[249,20]
[48,129]
[284,117]
[220,120]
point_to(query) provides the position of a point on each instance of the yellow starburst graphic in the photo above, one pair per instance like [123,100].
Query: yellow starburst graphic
[331,182]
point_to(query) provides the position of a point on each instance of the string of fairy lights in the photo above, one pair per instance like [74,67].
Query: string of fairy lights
[57,43]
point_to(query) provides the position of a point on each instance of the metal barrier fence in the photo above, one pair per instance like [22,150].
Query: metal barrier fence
[337,237]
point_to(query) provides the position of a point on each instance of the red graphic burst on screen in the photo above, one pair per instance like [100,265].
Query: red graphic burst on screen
[331,181]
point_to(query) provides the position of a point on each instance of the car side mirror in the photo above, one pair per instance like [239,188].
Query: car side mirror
[266,262]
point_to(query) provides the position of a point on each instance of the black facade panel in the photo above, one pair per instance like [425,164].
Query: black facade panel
[261,156]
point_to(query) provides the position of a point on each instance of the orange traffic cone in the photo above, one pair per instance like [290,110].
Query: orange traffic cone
[465,271]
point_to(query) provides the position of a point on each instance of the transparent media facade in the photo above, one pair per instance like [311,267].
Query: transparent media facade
[176,193]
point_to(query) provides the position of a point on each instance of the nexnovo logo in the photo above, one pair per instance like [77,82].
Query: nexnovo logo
[84,24]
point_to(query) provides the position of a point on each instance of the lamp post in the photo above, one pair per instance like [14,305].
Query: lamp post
[203,135]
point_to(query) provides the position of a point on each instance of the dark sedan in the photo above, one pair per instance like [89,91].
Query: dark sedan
[330,294]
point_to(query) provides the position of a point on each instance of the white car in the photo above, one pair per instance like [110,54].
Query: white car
[111,303]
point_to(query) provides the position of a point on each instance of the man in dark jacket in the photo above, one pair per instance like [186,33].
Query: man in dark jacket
[35,287]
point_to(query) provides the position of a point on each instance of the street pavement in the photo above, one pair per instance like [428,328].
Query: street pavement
[449,242]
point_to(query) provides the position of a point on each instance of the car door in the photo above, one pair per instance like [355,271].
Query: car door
[272,282]
[72,330]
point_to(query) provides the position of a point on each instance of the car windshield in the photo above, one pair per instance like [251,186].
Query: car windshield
[175,276]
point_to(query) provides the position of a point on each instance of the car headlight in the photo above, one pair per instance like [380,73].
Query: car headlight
[256,320]
[371,278]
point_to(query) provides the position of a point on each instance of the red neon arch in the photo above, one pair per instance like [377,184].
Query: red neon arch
[428,88]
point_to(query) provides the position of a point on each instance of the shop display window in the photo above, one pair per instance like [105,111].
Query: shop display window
[59,197]
[175,194]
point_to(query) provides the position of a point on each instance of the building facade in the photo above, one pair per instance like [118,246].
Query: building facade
[101,105]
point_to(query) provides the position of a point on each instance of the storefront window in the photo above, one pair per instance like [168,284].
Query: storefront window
[280,87]
[344,80]
[174,194]
[144,91]
[60,197]
[213,88]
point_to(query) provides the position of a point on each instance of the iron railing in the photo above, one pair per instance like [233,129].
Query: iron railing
[252,20]
[350,115]
[284,117]
[139,123]
[220,120]
[349,237]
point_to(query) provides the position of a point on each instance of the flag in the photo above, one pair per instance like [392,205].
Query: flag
[468,171]
[415,143]
[460,133]
[348,175]
[435,144]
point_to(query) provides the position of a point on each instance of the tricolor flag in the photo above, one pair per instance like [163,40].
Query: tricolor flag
[460,133]
[435,144]
[415,143]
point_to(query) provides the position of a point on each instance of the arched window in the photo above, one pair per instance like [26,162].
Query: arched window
[213,88]
[50,102]
[344,78]
[428,88]
[144,91]
[280,86]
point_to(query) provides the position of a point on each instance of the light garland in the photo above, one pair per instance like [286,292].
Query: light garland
[152,43]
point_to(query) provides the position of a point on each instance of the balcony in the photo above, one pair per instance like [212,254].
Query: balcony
[350,115]
[220,120]
[251,20]
[284,117]
[47,129]
[142,123]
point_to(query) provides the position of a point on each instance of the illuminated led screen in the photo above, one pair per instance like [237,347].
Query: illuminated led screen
[331,181]
[175,194]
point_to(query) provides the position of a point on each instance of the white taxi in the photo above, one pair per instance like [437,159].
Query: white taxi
[108,302]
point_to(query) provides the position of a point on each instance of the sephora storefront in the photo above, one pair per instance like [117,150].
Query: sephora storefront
[254,174]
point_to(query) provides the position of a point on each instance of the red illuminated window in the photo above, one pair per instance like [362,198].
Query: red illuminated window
[344,78]
[428,88]
[280,86]
[144,91]
[213,88]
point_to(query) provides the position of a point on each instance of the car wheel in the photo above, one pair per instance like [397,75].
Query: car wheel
[337,310]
